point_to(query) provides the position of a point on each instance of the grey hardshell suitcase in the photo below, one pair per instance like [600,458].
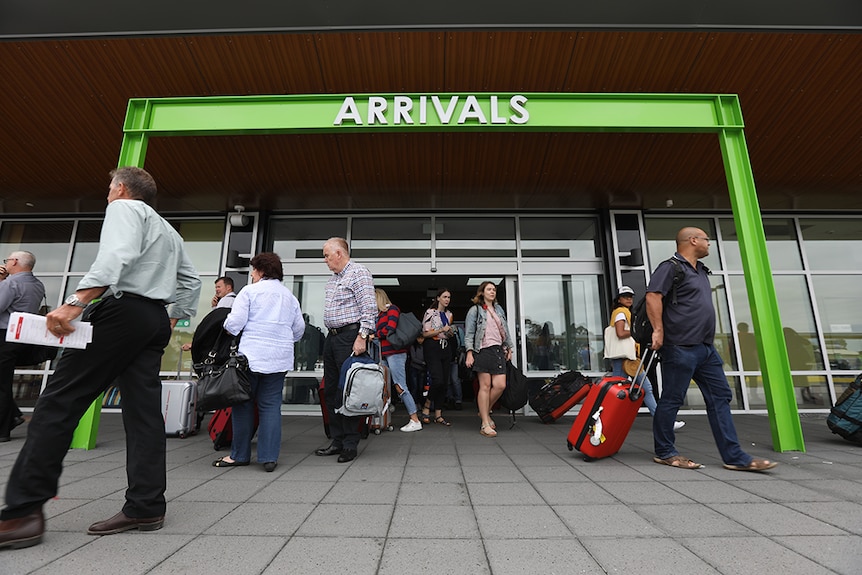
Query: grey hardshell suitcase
[179,403]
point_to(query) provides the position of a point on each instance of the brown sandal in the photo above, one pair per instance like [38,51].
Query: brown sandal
[678,461]
[488,431]
[755,465]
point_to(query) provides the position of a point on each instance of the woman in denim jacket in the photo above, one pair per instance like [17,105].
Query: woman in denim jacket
[489,347]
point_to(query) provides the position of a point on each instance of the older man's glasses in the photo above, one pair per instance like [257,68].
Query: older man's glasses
[9,260]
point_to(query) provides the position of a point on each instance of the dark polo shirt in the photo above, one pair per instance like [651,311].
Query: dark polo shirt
[692,320]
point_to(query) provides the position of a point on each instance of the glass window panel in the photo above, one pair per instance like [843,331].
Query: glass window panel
[723,331]
[48,241]
[303,238]
[840,318]
[832,243]
[181,335]
[781,244]
[564,326]
[391,238]
[467,237]
[569,238]
[694,397]
[203,241]
[661,239]
[311,293]
[86,245]
[797,316]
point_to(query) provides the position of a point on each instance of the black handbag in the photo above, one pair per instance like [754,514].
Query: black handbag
[224,384]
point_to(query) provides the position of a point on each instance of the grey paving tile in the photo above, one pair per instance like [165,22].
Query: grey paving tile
[575,493]
[92,487]
[492,474]
[842,514]
[520,522]
[331,472]
[433,494]
[610,470]
[841,553]
[437,522]
[553,473]
[293,492]
[133,553]
[504,494]
[347,521]
[679,520]
[246,555]
[774,519]
[312,555]
[362,492]
[551,557]
[645,491]
[433,460]
[56,545]
[378,473]
[266,519]
[714,492]
[645,556]
[605,521]
[235,490]
[746,555]
[433,474]
[781,491]
[840,489]
[432,557]
[497,459]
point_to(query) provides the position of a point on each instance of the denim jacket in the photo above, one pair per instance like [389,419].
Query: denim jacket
[475,327]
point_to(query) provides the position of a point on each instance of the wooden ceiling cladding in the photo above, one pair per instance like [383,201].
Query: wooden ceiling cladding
[62,105]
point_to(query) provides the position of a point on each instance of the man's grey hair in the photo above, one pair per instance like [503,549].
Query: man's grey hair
[25,259]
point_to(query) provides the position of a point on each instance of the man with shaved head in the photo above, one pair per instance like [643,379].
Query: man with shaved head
[684,331]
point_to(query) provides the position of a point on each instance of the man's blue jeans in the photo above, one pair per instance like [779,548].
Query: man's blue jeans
[679,365]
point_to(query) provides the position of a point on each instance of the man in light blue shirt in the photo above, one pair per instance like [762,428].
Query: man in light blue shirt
[145,282]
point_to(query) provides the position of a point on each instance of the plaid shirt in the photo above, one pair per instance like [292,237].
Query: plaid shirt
[350,299]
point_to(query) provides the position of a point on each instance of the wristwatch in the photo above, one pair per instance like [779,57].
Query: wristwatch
[73,300]
[363,335]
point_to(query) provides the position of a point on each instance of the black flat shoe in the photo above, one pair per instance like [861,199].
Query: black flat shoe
[222,463]
[324,451]
[269,466]
[346,456]
[16,422]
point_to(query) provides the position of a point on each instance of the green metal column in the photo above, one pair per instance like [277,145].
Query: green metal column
[775,365]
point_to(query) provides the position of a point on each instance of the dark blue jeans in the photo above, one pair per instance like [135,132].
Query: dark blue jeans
[679,365]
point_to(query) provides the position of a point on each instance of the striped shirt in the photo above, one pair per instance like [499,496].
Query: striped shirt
[387,321]
[350,299]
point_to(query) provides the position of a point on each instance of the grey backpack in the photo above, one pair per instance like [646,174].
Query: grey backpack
[362,386]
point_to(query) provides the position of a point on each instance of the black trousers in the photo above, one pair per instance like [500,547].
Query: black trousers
[129,337]
[8,409]
[336,349]
[438,360]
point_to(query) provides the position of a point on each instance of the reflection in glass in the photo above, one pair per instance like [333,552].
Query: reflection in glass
[86,245]
[48,241]
[661,239]
[832,243]
[840,318]
[311,293]
[489,237]
[203,242]
[563,325]
[781,244]
[302,238]
[396,237]
[568,238]
[723,331]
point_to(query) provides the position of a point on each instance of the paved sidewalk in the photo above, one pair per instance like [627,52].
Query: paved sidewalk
[447,500]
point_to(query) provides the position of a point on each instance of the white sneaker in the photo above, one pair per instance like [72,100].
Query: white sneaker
[677,425]
[412,426]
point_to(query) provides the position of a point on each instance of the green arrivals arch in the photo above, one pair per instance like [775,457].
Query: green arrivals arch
[527,112]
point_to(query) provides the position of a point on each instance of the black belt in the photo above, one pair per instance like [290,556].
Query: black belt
[348,327]
[136,296]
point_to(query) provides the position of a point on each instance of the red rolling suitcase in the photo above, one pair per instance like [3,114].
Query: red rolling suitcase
[220,427]
[559,395]
[606,416]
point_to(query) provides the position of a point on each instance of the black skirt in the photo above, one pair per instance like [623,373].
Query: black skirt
[490,360]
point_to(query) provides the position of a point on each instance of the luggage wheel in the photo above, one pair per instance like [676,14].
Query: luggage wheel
[377,431]
[182,436]
[588,458]
[569,445]
[390,428]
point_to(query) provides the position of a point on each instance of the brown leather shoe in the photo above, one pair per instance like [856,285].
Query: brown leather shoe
[122,522]
[22,532]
